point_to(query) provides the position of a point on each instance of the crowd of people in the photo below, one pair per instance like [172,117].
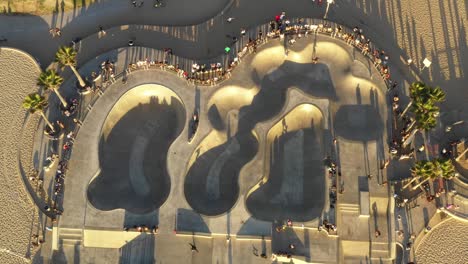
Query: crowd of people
[72,108]
[142,229]
[281,26]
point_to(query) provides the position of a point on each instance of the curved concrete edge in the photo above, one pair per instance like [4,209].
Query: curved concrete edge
[85,153]
[398,244]
[456,215]
[460,182]
[294,98]
[438,219]
[24,53]
[235,206]
[221,56]
[266,168]
[127,101]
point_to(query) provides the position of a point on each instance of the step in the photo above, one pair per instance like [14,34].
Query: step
[381,260]
[70,234]
[349,208]
[377,254]
[70,231]
[379,246]
[70,242]
[346,205]
[351,211]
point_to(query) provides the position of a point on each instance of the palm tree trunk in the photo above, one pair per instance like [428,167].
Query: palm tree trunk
[64,102]
[406,109]
[47,121]
[78,76]
[426,150]
[410,138]
[410,126]
[421,183]
[410,182]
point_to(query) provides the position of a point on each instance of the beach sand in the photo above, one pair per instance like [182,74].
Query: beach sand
[17,211]
[446,243]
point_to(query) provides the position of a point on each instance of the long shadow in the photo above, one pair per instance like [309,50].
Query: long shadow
[133,158]
[280,199]
[254,227]
[211,185]
[281,242]
[358,122]
[190,221]
[139,250]
[149,220]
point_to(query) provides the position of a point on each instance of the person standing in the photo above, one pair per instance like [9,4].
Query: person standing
[193,247]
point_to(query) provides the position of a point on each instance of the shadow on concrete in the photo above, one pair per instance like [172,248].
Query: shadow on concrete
[215,118]
[301,200]
[358,122]
[190,221]
[38,259]
[281,241]
[133,152]
[426,216]
[254,227]
[150,219]
[211,186]
[363,183]
[139,250]
[64,255]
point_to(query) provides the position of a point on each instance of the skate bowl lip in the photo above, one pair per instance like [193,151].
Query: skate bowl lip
[265,178]
[265,171]
[134,95]
[237,197]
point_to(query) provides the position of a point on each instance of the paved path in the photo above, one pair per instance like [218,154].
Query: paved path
[207,39]
[85,154]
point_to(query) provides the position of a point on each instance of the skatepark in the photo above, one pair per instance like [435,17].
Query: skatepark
[254,177]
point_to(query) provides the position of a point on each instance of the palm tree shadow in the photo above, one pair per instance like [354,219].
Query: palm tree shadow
[133,158]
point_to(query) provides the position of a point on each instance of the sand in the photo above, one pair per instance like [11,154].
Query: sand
[446,243]
[17,211]
[40,7]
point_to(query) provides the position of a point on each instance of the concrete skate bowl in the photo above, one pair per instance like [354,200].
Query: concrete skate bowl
[293,185]
[211,184]
[136,136]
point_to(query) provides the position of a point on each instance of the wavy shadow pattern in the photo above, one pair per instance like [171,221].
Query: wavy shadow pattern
[293,185]
[133,151]
[211,185]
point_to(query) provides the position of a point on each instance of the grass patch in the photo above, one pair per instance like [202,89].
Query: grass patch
[41,7]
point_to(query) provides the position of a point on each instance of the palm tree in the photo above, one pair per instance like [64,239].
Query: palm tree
[415,90]
[36,104]
[420,92]
[66,56]
[50,80]
[428,170]
[423,106]
[446,168]
[421,169]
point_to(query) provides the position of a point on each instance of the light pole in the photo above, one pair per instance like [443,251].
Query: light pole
[426,63]
[328,7]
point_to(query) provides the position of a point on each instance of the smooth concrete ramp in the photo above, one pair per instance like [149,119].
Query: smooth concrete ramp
[135,140]
[293,184]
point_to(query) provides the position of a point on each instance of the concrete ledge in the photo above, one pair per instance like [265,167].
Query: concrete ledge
[108,239]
